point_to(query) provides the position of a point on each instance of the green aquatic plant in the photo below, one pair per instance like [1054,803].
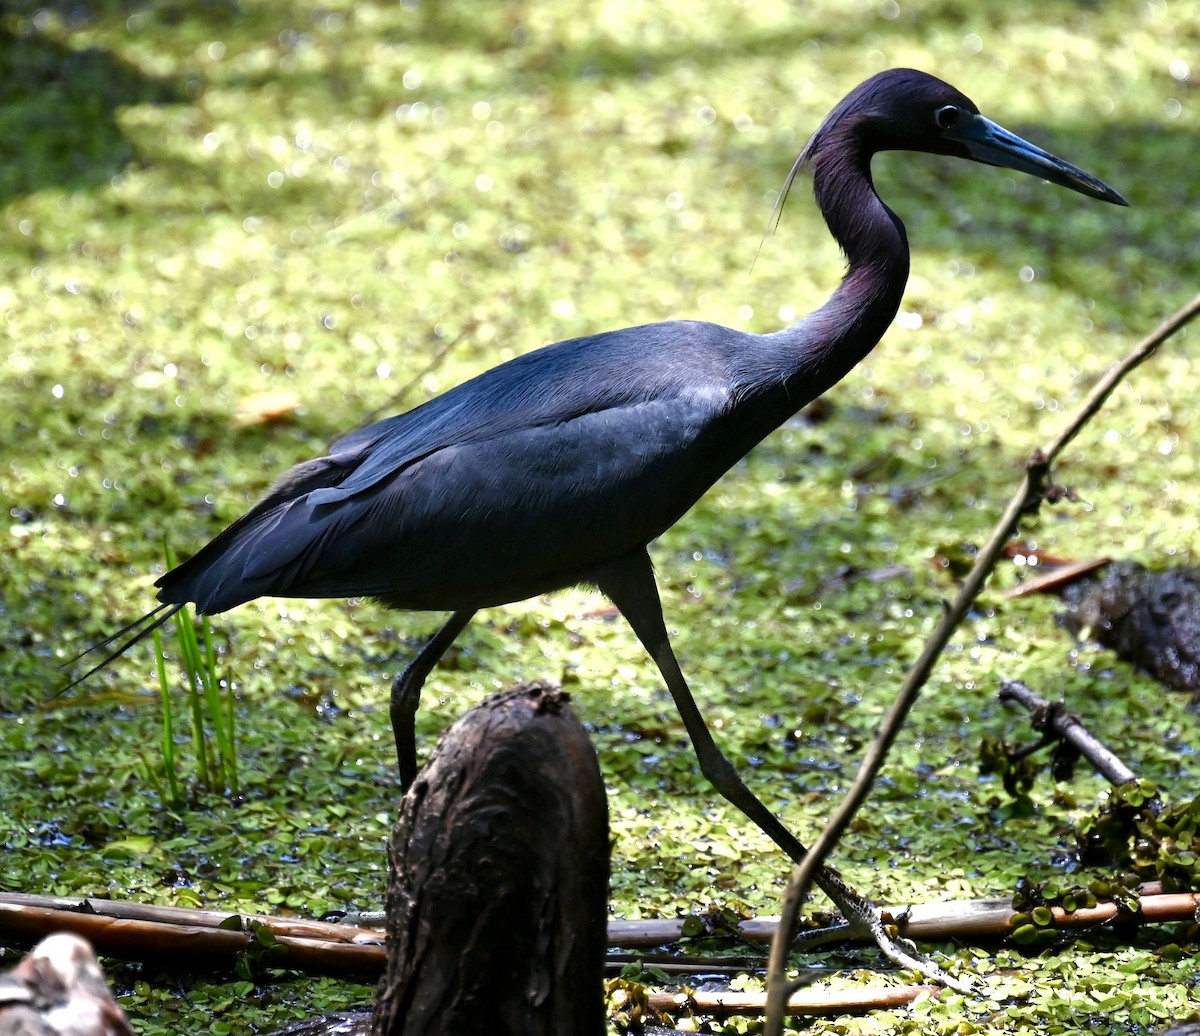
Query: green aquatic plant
[210,709]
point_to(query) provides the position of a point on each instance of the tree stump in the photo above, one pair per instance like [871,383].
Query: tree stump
[498,879]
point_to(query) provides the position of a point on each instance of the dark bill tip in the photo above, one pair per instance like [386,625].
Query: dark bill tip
[991,144]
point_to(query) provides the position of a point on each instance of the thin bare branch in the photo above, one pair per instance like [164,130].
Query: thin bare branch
[1027,498]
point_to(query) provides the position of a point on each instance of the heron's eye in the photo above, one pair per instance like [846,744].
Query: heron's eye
[947,116]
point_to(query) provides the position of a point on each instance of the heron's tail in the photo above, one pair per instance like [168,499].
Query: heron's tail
[137,630]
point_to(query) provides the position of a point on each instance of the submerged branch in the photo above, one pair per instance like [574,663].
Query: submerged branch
[824,1004]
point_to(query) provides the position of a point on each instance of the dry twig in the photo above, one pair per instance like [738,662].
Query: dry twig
[214,938]
[1054,722]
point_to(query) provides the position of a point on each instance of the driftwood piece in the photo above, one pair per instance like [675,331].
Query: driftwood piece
[58,989]
[497,895]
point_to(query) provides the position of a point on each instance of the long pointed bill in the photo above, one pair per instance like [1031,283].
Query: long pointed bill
[994,145]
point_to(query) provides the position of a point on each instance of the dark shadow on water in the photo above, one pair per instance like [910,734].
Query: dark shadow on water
[58,106]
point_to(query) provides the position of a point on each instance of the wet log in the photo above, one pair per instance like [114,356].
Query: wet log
[498,879]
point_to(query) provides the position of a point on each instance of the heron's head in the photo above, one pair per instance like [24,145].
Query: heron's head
[907,110]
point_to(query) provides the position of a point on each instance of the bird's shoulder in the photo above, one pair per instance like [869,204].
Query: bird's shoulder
[674,364]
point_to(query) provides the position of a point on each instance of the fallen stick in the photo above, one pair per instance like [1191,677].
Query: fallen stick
[932,921]
[1056,575]
[161,935]
[126,910]
[1054,721]
[165,942]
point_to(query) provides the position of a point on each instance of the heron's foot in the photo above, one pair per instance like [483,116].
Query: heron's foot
[904,952]
[864,920]
[896,948]
[813,938]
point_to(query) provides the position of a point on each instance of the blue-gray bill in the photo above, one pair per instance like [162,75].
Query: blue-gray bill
[991,144]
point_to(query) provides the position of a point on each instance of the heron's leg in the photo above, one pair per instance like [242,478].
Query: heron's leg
[629,584]
[406,692]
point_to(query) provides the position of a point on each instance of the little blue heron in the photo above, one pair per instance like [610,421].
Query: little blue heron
[559,467]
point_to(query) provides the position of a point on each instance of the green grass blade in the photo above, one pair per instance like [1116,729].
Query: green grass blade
[168,723]
[219,716]
[185,629]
